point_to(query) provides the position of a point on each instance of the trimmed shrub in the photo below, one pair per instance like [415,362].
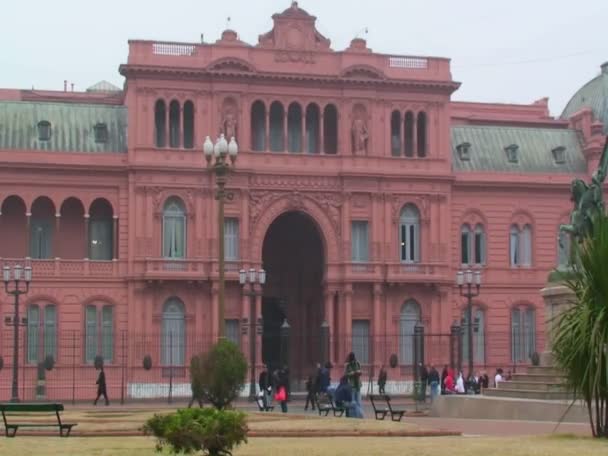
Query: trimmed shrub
[147,362]
[213,432]
[219,375]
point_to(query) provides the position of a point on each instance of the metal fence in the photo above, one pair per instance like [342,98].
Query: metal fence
[73,376]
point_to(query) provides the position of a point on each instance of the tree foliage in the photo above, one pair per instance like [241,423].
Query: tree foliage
[213,432]
[581,338]
[219,375]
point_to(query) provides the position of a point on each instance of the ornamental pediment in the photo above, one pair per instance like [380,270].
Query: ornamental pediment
[231,64]
[362,72]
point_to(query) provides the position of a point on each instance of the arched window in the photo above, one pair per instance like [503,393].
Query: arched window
[312,128]
[41,332]
[479,343]
[277,118]
[465,244]
[421,134]
[188,125]
[409,234]
[160,123]
[258,126]
[563,250]
[99,332]
[174,115]
[480,244]
[330,129]
[396,134]
[101,242]
[520,245]
[174,229]
[523,333]
[409,316]
[173,334]
[408,134]
[42,224]
[294,128]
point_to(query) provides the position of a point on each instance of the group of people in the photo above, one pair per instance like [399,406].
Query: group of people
[452,383]
[276,383]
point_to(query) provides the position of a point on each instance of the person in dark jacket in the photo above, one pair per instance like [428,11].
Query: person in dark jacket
[101,387]
[434,382]
[265,387]
[324,378]
[344,398]
[382,377]
[281,385]
[310,392]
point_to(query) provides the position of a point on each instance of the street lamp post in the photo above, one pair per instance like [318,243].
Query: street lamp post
[255,325]
[217,161]
[19,274]
[470,279]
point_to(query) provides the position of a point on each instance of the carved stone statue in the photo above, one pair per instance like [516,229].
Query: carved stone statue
[359,136]
[228,127]
[588,201]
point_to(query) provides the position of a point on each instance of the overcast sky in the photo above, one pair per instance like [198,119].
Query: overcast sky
[513,51]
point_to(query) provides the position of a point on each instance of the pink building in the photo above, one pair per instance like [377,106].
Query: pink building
[360,188]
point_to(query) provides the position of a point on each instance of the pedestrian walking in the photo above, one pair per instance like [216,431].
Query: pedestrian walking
[382,377]
[101,386]
[353,374]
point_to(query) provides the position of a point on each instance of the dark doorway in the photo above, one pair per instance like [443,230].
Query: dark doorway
[293,257]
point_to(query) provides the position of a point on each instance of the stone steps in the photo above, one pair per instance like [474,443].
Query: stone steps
[532,386]
[538,378]
[528,394]
[544,370]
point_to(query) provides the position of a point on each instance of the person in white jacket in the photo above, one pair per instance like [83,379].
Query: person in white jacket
[460,384]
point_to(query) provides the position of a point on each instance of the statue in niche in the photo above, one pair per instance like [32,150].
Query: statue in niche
[228,127]
[360,136]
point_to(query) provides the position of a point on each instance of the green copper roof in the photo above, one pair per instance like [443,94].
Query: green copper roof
[534,149]
[72,126]
[594,95]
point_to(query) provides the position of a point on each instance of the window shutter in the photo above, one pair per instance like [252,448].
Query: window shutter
[361,340]
[465,244]
[107,333]
[90,333]
[50,331]
[480,245]
[232,331]
[231,239]
[515,335]
[360,241]
[33,327]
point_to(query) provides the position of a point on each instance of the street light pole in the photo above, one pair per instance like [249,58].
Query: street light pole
[217,160]
[15,321]
[253,325]
[470,278]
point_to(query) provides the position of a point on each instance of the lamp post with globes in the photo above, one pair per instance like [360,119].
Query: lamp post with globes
[19,275]
[469,283]
[254,324]
[221,159]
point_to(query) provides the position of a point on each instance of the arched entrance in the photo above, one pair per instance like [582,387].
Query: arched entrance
[294,258]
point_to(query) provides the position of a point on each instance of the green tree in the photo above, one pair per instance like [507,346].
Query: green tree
[213,432]
[580,343]
[219,375]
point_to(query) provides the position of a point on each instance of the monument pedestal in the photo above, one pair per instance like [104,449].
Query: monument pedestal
[558,298]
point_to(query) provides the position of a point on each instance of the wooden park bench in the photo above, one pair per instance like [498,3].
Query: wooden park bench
[325,404]
[396,415]
[17,409]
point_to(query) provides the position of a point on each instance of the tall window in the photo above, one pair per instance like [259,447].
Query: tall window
[563,250]
[173,334]
[312,128]
[520,245]
[41,238]
[408,134]
[160,123]
[294,128]
[41,332]
[99,332]
[189,125]
[421,132]
[360,242]
[523,333]
[472,245]
[479,342]
[231,239]
[396,134]
[258,126]
[233,333]
[361,340]
[277,118]
[174,229]
[174,122]
[100,235]
[409,234]
[330,129]
[409,316]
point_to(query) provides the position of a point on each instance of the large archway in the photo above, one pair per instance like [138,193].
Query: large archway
[294,258]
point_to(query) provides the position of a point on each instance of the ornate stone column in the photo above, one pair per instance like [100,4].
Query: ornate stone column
[347,324]
[329,318]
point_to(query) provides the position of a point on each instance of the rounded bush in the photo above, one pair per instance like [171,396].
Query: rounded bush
[49,362]
[219,375]
[393,361]
[215,432]
[147,362]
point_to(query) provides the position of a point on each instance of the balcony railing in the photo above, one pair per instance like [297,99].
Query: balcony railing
[187,268]
[59,267]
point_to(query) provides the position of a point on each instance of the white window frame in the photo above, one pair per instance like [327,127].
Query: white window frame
[231,239]
[409,234]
